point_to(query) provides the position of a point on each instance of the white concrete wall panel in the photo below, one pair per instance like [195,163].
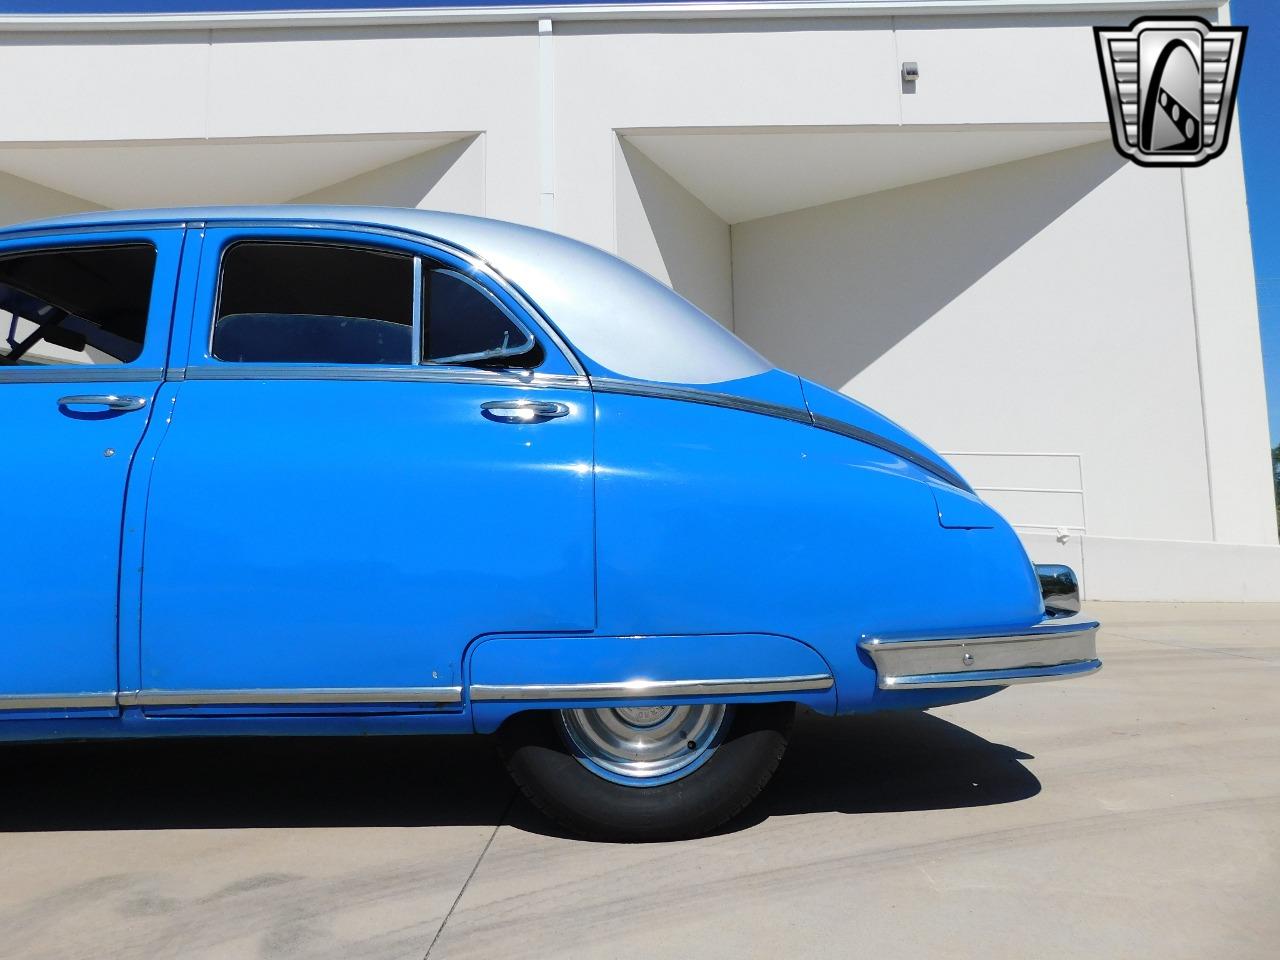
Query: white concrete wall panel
[476,78]
[1029,470]
[1230,350]
[369,81]
[618,76]
[1001,70]
[111,86]
[1040,305]
[1005,69]
[1039,509]
[1122,569]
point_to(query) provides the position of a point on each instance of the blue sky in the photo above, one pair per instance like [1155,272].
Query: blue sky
[1259,126]
[1260,130]
[150,6]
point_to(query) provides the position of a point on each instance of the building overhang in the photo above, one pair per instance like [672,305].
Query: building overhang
[150,173]
[744,174]
[444,13]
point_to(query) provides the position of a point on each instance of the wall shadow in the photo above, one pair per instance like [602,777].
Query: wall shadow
[403,183]
[888,762]
[829,290]
[22,199]
[658,218]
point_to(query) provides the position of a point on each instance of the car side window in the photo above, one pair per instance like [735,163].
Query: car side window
[76,305]
[284,302]
[463,323]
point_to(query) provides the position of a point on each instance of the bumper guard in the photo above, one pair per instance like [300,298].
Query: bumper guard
[1061,646]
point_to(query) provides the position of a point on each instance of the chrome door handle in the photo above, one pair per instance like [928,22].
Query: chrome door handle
[109,400]
[523,411]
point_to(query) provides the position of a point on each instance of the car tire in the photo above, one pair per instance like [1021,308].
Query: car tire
[547,765]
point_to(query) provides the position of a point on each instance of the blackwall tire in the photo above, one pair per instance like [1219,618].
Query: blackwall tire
[541,754]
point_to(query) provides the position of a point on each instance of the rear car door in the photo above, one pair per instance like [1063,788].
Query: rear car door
[84,329]
[365,470]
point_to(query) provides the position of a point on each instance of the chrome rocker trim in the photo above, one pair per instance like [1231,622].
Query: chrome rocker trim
[626,689]
[360,695]
[58,701]
[1057,648]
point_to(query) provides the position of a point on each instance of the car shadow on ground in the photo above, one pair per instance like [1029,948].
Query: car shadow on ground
[887,762]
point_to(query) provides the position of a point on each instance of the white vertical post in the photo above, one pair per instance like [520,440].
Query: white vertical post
[546,125]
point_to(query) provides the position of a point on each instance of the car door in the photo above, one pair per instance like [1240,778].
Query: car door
[84,329]
[365,470]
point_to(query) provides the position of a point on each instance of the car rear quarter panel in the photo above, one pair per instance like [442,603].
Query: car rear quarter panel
[712,520]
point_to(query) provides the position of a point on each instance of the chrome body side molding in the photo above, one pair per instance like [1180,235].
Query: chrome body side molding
[781,412]
[1057,648]
[312,695]
[58,701]
[338,371]
[416,695]
[640,688]
[889,446]
[87,373]
[707,397]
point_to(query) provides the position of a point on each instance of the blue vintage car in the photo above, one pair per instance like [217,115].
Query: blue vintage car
[341,470]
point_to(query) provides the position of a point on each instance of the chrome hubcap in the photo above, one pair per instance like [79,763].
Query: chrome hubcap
[644,746]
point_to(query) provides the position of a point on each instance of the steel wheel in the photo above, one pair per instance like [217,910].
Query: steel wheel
[628,773]
[645,746]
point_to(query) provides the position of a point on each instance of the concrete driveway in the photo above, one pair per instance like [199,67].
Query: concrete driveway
[1132,814]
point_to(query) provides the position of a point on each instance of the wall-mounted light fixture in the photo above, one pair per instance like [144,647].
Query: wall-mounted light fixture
[910,72]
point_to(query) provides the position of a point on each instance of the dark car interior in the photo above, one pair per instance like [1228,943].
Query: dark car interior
[90,303]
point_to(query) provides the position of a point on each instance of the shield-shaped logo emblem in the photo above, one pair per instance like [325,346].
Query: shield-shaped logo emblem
[1171,88]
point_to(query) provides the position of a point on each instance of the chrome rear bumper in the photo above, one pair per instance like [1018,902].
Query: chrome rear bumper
[1057,648]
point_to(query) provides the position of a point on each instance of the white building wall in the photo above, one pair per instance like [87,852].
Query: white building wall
[74,87]
[1078,333]
[1226,307]
[1002,69]
[479,78]
[615,77]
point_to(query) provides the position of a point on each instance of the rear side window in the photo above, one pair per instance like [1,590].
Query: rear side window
[77,305]
[310,303]
[463,323]
[288,302]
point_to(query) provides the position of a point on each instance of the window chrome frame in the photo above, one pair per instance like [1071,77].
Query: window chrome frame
[424,251]
[415,331]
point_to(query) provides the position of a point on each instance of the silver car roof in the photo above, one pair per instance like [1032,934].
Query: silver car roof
[619,319]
